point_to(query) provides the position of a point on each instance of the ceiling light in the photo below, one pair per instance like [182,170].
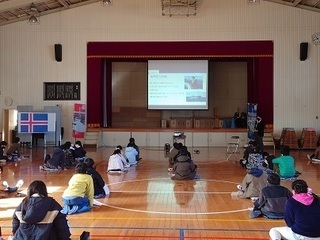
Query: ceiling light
[106,2]
[33,19]
[33,7]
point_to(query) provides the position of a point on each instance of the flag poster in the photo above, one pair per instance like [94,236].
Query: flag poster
[36,122]
[252,109]
[79,120]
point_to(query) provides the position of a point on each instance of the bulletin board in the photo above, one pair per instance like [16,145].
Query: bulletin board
[61,91]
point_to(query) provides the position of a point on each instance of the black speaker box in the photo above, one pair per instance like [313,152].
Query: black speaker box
[303,51]
[58,52]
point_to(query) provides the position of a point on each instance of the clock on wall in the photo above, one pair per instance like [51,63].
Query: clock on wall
[316,38]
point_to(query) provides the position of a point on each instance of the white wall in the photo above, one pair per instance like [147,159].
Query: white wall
[27,56]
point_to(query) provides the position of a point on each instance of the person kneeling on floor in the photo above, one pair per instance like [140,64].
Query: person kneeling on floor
[78,197]
[184,167]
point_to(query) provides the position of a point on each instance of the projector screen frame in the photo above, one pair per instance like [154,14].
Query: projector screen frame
[178,84]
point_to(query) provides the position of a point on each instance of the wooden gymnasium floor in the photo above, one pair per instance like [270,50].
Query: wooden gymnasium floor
[145,204]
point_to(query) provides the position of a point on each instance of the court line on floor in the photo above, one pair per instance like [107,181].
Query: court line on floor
[257,220]
[173,213]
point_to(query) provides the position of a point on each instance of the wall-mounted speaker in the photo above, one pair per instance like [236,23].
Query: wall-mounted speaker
[303,51]
[58,52]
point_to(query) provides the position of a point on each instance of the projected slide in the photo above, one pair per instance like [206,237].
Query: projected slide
[178,84]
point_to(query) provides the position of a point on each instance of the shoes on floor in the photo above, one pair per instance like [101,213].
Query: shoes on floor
[19,183]
[308,156]
[240,187]
[255,214]
[5,183]
[99,196]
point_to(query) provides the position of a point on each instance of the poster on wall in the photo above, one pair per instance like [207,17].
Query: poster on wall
[79,120]
[252,109]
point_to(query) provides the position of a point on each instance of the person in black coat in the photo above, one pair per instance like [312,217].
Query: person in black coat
[100,188]
[78,152]
[39,216]
[3,145]
[259,133]
[184,168]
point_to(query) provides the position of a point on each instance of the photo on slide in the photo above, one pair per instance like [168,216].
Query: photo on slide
[193,82]
[196,96]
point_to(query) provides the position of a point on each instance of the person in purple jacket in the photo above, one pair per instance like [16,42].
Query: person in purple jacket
[302,215]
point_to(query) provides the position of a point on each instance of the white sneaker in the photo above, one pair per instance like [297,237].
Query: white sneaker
[308,156]
[253,199]
[240,187]
[5,183]
[19,183]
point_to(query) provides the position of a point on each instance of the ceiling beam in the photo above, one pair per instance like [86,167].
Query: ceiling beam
[8,5]
[295,4]
[63,2]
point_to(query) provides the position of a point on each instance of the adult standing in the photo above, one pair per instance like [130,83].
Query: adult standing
[302,215]
[259,133]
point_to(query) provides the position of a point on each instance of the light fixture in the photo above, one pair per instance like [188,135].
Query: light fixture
[33,19]
[106,2]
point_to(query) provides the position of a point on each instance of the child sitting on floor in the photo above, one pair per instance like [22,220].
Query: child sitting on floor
[251,185]
[56,162]
[14,150]
[3,145]
[122,153]
[78,152]
[117,162]
[100,188]
[184,168]
[78,197]
[316,154]
[131,153]
[284,165]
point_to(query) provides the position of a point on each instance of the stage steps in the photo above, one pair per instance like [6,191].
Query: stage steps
[92,139]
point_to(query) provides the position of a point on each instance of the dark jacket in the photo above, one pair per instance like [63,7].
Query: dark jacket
[98,182]
[272,200]
[79,152]
[2,156]
[40,219]
[184,168]
[14,149]
[303,219]
[57,159]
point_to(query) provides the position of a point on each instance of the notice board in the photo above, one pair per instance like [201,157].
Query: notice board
[61,91]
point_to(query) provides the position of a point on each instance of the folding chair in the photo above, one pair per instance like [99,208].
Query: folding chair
[233,146]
